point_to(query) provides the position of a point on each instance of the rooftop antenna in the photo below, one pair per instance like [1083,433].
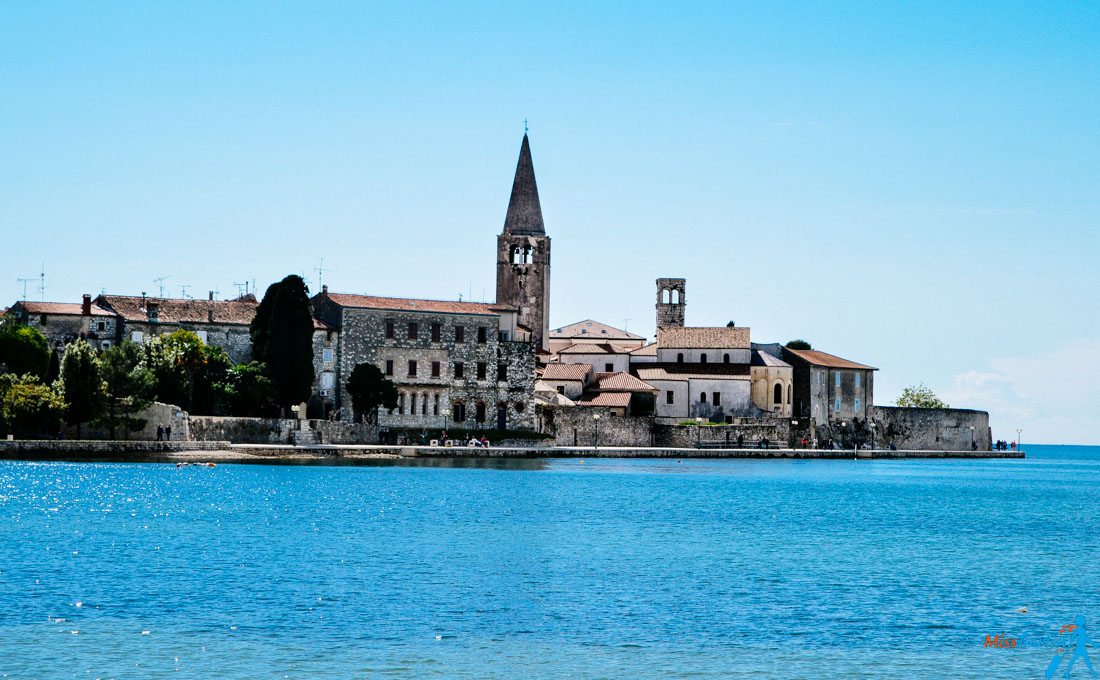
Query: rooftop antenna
[525,126]
[160,282]
[626,324]
[184,292]
[42,283]
[25,282]
[242,289]
[320,269]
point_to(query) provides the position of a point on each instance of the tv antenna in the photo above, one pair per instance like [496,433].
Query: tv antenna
[42,283]
[320,269]
[25,282]
[242,289]
[160,282]
[184,292]
[626,324]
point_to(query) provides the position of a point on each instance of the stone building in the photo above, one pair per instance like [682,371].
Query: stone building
[569,380]
[455,364]
[523,254]
[828,388]
[64,322]
[603,357]
[772,384]
[326,348]
[219,323]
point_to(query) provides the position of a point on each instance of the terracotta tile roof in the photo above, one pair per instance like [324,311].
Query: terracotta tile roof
[321,325]
[649,350]
[622,382]
[816,358]
[718,337]
[59,308]
[594,348]
[589,328]
[684,372]
[566,372]
[174,310]
[608,399]
[764,359]
[414,305]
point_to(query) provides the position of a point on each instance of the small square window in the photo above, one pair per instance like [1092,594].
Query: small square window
[482,335]
[670,397]
[437,332]
[327,355]
[481,370]
[460,369]
[435,369]
[502,372]
[608,368]
[389,329]
[460,334]
[414,330]
[412,369]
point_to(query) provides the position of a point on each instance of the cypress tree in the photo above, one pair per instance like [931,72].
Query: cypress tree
[282,338]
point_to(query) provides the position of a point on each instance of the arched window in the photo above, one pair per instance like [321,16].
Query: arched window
[703,358]
[458,412]
[516,257]
[479,412]
[675,297]
[435,405]
[777,396]
[790,394]
[412,404]
[665,296]
[726,358]
[680,358]
[702,397]
[424,404]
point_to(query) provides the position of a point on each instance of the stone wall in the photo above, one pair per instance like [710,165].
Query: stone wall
[157,414]
[751,431]
[928,429]
[575,426]
[281,431]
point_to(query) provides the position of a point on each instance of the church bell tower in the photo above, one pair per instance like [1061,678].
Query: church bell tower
[523,254]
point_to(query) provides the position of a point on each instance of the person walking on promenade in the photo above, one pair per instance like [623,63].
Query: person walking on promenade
[160,433]
[168,433]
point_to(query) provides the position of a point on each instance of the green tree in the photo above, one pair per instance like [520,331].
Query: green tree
[24,350]
[129,387]
[54,370]
[919,396]
[282,338]
[81,385]
[799,344]
[29,408]
[186,371]
[207,378]
[370,390]
[249,392]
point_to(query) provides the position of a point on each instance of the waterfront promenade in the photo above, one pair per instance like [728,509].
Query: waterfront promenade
[152,451]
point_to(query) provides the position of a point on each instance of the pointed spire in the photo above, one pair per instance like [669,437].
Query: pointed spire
[524,210]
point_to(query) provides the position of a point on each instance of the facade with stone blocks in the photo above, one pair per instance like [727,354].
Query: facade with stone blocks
[64,322]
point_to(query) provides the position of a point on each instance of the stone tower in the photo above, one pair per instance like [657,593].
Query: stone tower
[671,302]
[523,253]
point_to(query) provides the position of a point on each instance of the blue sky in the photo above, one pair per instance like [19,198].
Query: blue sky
[909,185]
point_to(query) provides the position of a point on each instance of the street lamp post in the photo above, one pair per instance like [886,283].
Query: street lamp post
[794,441]
[698,433]
[872,435]
[596,420]
[972,447]
[1019,435]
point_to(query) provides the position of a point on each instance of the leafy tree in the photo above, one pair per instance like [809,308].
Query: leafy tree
[186,371]
[81,385]
[799,344]
[282,338]
[24,350]
[129,387]
[370,390]
[249,392]
[919,396]
[207,378]
[28,407]
[54,371]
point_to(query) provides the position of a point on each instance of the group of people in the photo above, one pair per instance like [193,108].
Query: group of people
[164,433]
[474,442]
[1002,445]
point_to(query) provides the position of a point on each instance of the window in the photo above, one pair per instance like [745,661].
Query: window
[389,366]
[435,405]
[460,371]
[412,404]
[458,412]
[680,358]
[609,367]
[716,398]
[327,355]
[435,369]
[561,389]
[837,406]
[482,335]
[328,379]
[479,412]
[857,405]
[401,403]
[725,358]
[837,378]
[389,329]
[670,397]
[424,405]
[777,394]
[702,397]
[502,372]
[101,326]
[154,310]
[703,358]
[138,337]
[460,334]
[437,332]
[790,395]
[481,370]
[414,330]
[202,336]
[857,382]
[412,369]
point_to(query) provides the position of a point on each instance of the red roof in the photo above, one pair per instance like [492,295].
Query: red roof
[622,382]
[61,308]
[174,310]
[594,348]
[611,399]
[684,372]
[816,358]
[566,372]
[414,305]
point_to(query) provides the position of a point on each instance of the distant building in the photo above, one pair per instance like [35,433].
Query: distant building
[772,384]
[64,322]
[828,388]
[569,380]
[594,332]
[603,357]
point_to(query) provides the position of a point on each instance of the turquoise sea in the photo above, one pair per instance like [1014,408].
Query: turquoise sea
[548,569]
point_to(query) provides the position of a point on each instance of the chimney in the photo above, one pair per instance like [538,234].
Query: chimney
[86,305]
[324,289]
[211,298]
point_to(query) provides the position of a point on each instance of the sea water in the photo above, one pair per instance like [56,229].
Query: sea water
[549,568]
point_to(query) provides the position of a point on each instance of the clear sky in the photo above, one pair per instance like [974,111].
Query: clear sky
[908,185]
